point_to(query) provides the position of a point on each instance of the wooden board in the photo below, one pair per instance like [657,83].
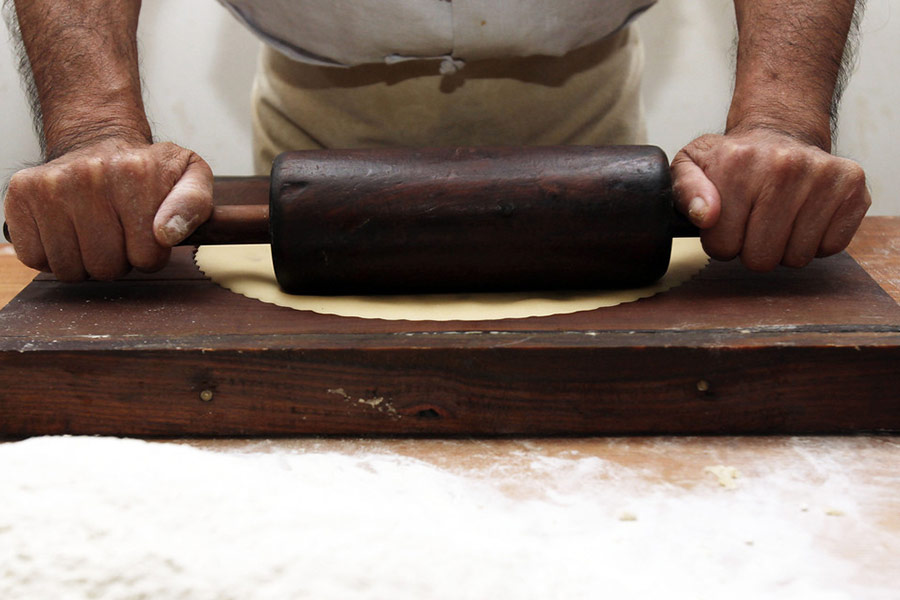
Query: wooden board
[172,354]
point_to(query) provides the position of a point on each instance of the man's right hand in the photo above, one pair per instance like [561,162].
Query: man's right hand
[106,207]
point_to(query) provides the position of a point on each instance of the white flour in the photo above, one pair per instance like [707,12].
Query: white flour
[107,518]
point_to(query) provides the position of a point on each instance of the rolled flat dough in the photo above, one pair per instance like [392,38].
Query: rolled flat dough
[247,270]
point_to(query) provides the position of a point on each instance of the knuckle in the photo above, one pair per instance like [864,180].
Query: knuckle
[705,143]
[18,184]
[738,153]
[787,164]
[858,202]
[856,178]
[681,189]
[782,156]
[680,158]
[131,165]
[15,197]
[55,180]
[81,173]
[845,171]
[856,193]
[50,179]
[822,163]
[93,170]
[137,165]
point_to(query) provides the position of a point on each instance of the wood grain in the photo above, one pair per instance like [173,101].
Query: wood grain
[814,350]
[431,220]
[13,275]
[877,248]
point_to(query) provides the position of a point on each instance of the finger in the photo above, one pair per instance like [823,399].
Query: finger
[23,230]
[57,234]
[102,240]
[725,239]
[846,220]
[134,193]
[60,243]
[26,241]
[695,195]
[812,223]
[188,204]
[779,198]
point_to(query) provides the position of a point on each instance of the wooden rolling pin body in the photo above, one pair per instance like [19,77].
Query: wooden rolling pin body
[462,219]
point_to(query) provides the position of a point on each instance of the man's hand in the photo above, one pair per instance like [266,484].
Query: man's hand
[106,207]
[107,199]
[768,197]
[769,190]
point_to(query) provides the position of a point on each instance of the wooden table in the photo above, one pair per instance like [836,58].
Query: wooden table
[837,497]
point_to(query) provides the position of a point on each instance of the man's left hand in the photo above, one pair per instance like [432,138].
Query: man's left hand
[768,197]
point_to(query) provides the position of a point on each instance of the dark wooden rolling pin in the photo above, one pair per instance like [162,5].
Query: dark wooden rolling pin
[461,219]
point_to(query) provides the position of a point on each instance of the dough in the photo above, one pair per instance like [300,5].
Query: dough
[247,270]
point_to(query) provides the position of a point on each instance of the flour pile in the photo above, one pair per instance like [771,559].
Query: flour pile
[107,518]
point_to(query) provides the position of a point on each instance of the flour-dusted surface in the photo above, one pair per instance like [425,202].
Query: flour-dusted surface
[108,518]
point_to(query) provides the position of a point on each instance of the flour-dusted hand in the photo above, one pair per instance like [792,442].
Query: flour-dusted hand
[768,197]
[106,207]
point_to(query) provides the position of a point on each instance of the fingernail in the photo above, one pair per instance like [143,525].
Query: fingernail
[697,208]
[175,229]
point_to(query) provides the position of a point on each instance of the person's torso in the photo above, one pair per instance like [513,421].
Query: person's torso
[353,32]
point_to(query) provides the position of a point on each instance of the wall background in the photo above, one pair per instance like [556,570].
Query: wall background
[198,63]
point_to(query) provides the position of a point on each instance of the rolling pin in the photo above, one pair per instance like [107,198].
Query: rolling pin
[402,220]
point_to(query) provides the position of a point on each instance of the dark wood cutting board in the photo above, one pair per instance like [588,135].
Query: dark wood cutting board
[815,350]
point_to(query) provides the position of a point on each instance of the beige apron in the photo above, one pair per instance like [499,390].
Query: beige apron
[589,96]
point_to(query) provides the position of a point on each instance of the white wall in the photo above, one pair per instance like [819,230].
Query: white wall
[198,63]
[687,85]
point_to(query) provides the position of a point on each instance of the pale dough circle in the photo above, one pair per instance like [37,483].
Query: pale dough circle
[247,270]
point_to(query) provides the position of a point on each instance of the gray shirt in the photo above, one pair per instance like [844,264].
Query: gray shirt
[353,32]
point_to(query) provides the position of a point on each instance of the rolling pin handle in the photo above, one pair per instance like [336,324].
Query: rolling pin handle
[233,224]
[228,225]
[681,227]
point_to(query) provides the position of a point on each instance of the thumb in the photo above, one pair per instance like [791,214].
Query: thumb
[695,195]
[188,204]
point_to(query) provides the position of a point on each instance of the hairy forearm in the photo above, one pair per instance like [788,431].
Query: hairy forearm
[83,58]
[789,63]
